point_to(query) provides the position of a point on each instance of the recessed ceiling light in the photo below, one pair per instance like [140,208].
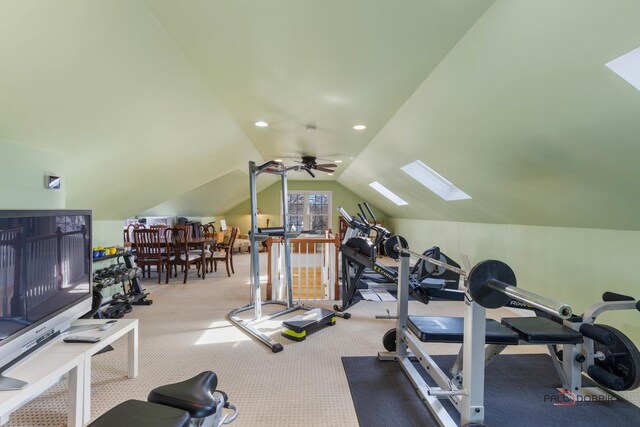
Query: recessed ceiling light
[628,67]
[277,160]
[261,124]
[337,161]
[434,181]
[330,174]
[359,127]
[387,193]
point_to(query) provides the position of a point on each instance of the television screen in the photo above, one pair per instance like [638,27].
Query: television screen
[45,267]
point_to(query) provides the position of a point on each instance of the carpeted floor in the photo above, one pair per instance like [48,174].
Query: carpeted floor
[185,331]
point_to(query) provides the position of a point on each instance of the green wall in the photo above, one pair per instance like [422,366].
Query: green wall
[269,204]
[572,265]
[107,233]
[22,172]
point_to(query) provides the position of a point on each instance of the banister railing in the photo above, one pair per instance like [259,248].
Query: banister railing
[52,262]
[314,265]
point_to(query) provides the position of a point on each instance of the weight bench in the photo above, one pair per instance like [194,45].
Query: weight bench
[511,331]
[444,329]
[540,330]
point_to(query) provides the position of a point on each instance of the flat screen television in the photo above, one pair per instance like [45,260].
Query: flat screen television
[45,275]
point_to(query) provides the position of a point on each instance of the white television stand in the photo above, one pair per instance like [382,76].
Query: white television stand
[45,366]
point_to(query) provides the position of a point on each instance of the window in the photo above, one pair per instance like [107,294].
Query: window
[309,211]
[434,181]
[628,67]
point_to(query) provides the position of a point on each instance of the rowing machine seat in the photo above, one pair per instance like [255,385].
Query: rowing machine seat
[539,330]
[451,330]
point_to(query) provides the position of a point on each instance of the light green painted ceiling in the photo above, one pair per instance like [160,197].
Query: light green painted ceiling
[523,116]
[211,199]
[103,84]
[333,63]
[152,103]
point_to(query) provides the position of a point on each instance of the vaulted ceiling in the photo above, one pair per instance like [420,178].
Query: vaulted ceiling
[153,103]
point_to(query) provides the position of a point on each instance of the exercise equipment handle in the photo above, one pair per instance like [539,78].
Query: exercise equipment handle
[363,219]
[366,205]
[612,296]
[362,212]
[231,418]
[345,215]
[271,231]
[638,306]
[537,301]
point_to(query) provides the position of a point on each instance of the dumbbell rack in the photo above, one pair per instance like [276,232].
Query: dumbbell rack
[136,295]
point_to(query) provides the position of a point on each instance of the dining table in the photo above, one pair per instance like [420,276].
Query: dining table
[193,243]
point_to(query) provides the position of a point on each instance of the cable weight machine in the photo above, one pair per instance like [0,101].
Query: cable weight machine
[298,327]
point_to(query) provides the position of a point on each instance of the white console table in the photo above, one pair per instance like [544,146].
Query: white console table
[44,368]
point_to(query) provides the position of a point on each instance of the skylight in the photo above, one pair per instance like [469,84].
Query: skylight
[434,181]
[628,67]
[387,193]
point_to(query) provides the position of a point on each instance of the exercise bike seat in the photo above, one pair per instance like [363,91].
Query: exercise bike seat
[192,395]
[136,413]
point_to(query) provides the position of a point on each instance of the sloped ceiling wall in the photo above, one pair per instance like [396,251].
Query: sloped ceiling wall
[153,102]
[102,83]
[211,199]
[524,117]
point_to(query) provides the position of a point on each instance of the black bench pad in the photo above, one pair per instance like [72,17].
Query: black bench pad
[539,330]
[451,330]
[136,413]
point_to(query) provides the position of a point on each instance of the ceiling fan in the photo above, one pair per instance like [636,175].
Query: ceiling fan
[310,163]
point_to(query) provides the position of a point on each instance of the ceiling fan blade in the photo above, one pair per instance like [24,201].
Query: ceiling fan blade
[310,173]
[327,165]
[324,169]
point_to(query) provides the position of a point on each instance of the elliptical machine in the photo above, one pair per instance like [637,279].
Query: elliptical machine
[360,252]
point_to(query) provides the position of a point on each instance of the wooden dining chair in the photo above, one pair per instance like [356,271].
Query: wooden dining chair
[178,253]
[149,250]
[188,229]
[209,229]
[223,252]
[128,232]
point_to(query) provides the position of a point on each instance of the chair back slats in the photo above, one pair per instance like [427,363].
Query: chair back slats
[176,241]
[148,243]
[232,238]
[209,230]
[187,229]
[128,232]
